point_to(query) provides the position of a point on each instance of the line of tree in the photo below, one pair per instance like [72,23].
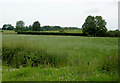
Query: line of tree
[50,28]
[93,26]
[7,27]
[20,26]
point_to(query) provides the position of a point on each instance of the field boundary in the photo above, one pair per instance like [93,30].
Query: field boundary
[50,33]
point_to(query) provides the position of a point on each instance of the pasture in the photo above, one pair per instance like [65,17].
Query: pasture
[8,32]
[65,58]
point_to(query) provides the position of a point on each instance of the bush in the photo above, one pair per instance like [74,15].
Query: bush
[61,31]
[18,31]
[50,33]
[113,33]
[17,57]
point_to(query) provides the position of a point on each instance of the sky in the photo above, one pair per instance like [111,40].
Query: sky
[64,13]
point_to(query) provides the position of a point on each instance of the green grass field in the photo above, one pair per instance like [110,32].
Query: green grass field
[8,32]
[88,58]
[73,31]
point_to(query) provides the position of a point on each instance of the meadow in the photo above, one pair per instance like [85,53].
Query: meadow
[59,58]
[8,32]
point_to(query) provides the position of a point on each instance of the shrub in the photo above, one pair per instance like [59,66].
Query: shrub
[18,56]
[50,33]
[61,31]
[113,33]
[18,31]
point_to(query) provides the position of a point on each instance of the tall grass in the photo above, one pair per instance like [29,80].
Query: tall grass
[82,58]
[19,54]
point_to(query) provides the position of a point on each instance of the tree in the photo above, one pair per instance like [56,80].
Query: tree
[36,26]
[56,27]
[4,27]
[62,30]
[30,27]
[7,27]
[94,26]
[113,33]
[46,28]
[101,29]
[20,25]
[10,27]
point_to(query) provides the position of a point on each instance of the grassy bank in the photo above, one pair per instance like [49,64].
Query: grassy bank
[64,58]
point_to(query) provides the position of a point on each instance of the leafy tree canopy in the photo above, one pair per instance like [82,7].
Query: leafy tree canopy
[36,26]
[94,26]
[7,27]
[20,25]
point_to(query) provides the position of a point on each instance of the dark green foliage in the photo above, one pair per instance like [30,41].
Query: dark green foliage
[94,26]
[18,31]
[36,26]
[17,57]
[50,33]
[72,28]
[7,27]
[113,33]
[4,27]
[54,28]
[62,31]
[46,28]
[28,28]
[20,25]
[50,28]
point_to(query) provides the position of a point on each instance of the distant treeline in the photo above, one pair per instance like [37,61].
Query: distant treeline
[94,26]
[20,26]
[113,33]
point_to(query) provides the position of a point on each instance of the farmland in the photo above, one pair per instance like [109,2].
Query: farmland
[65,58]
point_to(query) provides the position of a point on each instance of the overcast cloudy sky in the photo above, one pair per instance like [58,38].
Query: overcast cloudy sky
[58,12]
